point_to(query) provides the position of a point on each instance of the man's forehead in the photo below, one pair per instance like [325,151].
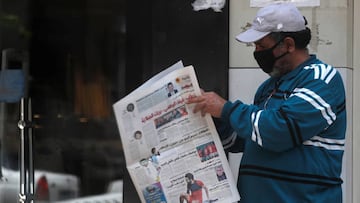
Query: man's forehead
[265,40]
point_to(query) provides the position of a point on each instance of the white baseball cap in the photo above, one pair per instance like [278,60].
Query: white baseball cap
[279,17]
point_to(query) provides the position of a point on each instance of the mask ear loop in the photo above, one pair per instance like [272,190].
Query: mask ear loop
[277,44]
[306,22]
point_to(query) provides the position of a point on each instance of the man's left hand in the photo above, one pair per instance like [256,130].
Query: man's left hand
[208,102]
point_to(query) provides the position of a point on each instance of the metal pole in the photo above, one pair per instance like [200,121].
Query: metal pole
[26,153]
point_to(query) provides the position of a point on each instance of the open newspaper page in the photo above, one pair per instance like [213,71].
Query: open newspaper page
[171,153]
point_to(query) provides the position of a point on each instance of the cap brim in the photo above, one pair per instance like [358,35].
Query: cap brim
[251,35]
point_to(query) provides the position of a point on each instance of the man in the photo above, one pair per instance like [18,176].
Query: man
[293,136]
[194,190]
[220,173]
[154,158]
[171,89]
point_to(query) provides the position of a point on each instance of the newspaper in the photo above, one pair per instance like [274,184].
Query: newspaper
[164,142]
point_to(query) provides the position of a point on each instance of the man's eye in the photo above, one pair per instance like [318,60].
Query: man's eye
[260,47]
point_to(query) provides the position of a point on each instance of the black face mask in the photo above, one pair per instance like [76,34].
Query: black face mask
[266,59]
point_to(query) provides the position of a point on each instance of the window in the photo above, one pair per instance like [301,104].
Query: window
[83,57]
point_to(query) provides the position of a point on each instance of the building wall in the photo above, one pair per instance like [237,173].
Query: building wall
[356,99]
[335,28]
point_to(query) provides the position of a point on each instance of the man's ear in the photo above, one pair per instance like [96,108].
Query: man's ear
[289,43]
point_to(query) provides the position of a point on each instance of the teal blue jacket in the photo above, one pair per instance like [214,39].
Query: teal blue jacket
[292,137]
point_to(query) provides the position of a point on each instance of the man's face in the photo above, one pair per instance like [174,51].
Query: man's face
[219,171]
[267,43]
[170,87]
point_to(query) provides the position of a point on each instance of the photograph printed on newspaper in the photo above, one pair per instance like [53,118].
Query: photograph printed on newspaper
[171,153]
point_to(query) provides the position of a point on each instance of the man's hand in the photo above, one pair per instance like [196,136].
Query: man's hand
[208,102]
